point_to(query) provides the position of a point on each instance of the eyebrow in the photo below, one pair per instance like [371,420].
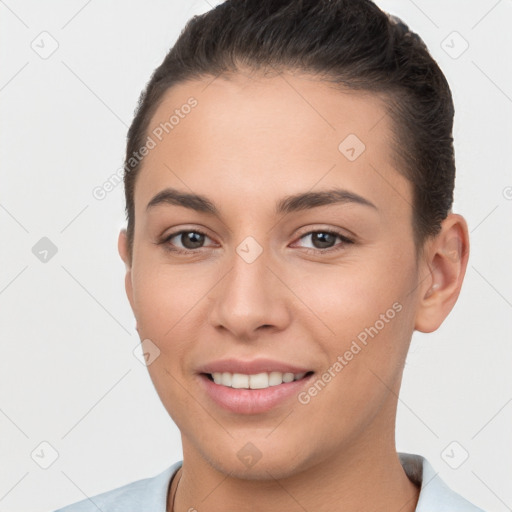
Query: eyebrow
[289,204]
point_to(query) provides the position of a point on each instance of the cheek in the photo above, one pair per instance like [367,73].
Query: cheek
[163,297]
[167,299]
[349,298]
[363,313]
[369,315]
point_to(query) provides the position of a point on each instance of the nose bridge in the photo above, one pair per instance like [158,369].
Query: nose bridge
[249,295]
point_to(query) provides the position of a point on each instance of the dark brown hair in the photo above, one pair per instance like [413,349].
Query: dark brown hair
[349,43]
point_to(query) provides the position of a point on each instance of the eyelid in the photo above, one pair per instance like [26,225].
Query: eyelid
[345,239]
[165,239]
[326,229]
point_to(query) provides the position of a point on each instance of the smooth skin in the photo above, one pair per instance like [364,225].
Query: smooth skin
[247,144]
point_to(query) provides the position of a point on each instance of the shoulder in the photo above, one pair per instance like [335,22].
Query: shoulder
[435,493]
[138,496]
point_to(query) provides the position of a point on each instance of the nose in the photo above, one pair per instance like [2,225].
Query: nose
[250,298]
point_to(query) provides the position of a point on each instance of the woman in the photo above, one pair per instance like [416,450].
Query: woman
[289,181]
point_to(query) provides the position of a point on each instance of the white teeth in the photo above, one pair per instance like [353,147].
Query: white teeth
[256,381]
[275,378]
[227,379]
[240,380]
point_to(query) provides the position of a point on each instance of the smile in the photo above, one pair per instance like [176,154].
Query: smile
[255,393]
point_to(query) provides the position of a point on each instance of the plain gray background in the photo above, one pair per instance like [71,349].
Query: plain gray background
[69,377]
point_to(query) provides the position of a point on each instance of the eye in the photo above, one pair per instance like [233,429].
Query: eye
[324,240]
[193,239]
[189,239]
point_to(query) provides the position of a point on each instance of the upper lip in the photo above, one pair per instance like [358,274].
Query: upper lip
[250,367]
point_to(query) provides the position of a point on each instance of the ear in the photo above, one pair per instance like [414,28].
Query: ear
[122,247]
[443,267]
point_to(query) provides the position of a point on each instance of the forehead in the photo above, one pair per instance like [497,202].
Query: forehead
[266,136]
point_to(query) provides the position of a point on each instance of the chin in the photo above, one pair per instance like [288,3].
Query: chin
[249,464]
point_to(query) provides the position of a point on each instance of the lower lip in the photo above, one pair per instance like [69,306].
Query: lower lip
[251,401]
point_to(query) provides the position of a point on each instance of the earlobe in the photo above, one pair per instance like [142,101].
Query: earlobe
[442,273]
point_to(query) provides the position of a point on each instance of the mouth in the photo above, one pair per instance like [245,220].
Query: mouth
[255,393]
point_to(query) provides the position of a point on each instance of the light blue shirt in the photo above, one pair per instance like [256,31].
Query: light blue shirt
[150,494]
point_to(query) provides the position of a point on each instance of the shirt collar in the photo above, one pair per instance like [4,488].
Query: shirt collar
[434,493]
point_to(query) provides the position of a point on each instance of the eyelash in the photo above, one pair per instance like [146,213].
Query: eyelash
[345,241]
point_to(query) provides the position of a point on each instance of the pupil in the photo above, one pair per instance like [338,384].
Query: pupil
[192,240]
[324,238]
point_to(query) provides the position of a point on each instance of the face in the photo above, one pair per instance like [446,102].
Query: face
[250,278]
